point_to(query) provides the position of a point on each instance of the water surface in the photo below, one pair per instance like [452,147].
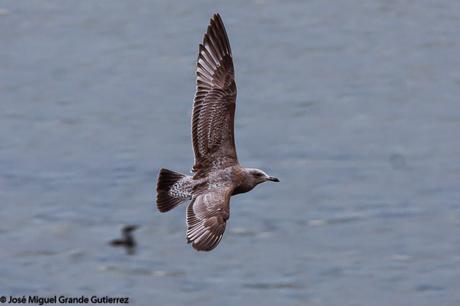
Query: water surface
[354,105]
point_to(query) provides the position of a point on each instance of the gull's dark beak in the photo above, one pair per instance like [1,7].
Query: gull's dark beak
[273,179]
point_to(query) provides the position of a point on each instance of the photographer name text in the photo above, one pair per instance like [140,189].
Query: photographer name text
[62,299]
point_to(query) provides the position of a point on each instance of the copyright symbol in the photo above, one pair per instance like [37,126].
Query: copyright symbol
[3,299]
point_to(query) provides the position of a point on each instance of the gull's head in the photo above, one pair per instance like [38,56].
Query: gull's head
[258,176]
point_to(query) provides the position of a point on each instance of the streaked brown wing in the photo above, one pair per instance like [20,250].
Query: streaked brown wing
[207,216]
[214,106]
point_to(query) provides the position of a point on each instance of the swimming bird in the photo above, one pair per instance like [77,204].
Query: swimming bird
[127,241]
[217,174]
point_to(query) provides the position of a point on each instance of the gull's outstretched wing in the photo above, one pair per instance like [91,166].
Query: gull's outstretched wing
[214,107]
[207,216]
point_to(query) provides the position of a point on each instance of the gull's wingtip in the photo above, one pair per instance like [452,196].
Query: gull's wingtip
[216,16]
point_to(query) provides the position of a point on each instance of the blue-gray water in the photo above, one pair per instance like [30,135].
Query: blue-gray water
[353,104]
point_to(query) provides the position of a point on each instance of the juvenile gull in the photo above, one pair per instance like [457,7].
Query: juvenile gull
[217,173]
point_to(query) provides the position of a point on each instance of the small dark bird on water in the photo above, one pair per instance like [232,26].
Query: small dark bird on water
[217,172]
[127,241]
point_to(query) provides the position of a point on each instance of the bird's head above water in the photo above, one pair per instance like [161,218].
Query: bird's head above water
[258,176]
[129,228]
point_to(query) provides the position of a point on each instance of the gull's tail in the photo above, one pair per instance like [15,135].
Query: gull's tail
[172,189]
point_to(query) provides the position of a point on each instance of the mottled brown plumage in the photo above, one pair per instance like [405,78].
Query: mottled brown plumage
[217,172]
[215,100]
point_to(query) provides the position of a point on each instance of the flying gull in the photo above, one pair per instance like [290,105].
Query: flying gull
[217,174]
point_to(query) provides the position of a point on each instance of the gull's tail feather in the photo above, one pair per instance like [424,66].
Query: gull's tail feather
[171,189]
